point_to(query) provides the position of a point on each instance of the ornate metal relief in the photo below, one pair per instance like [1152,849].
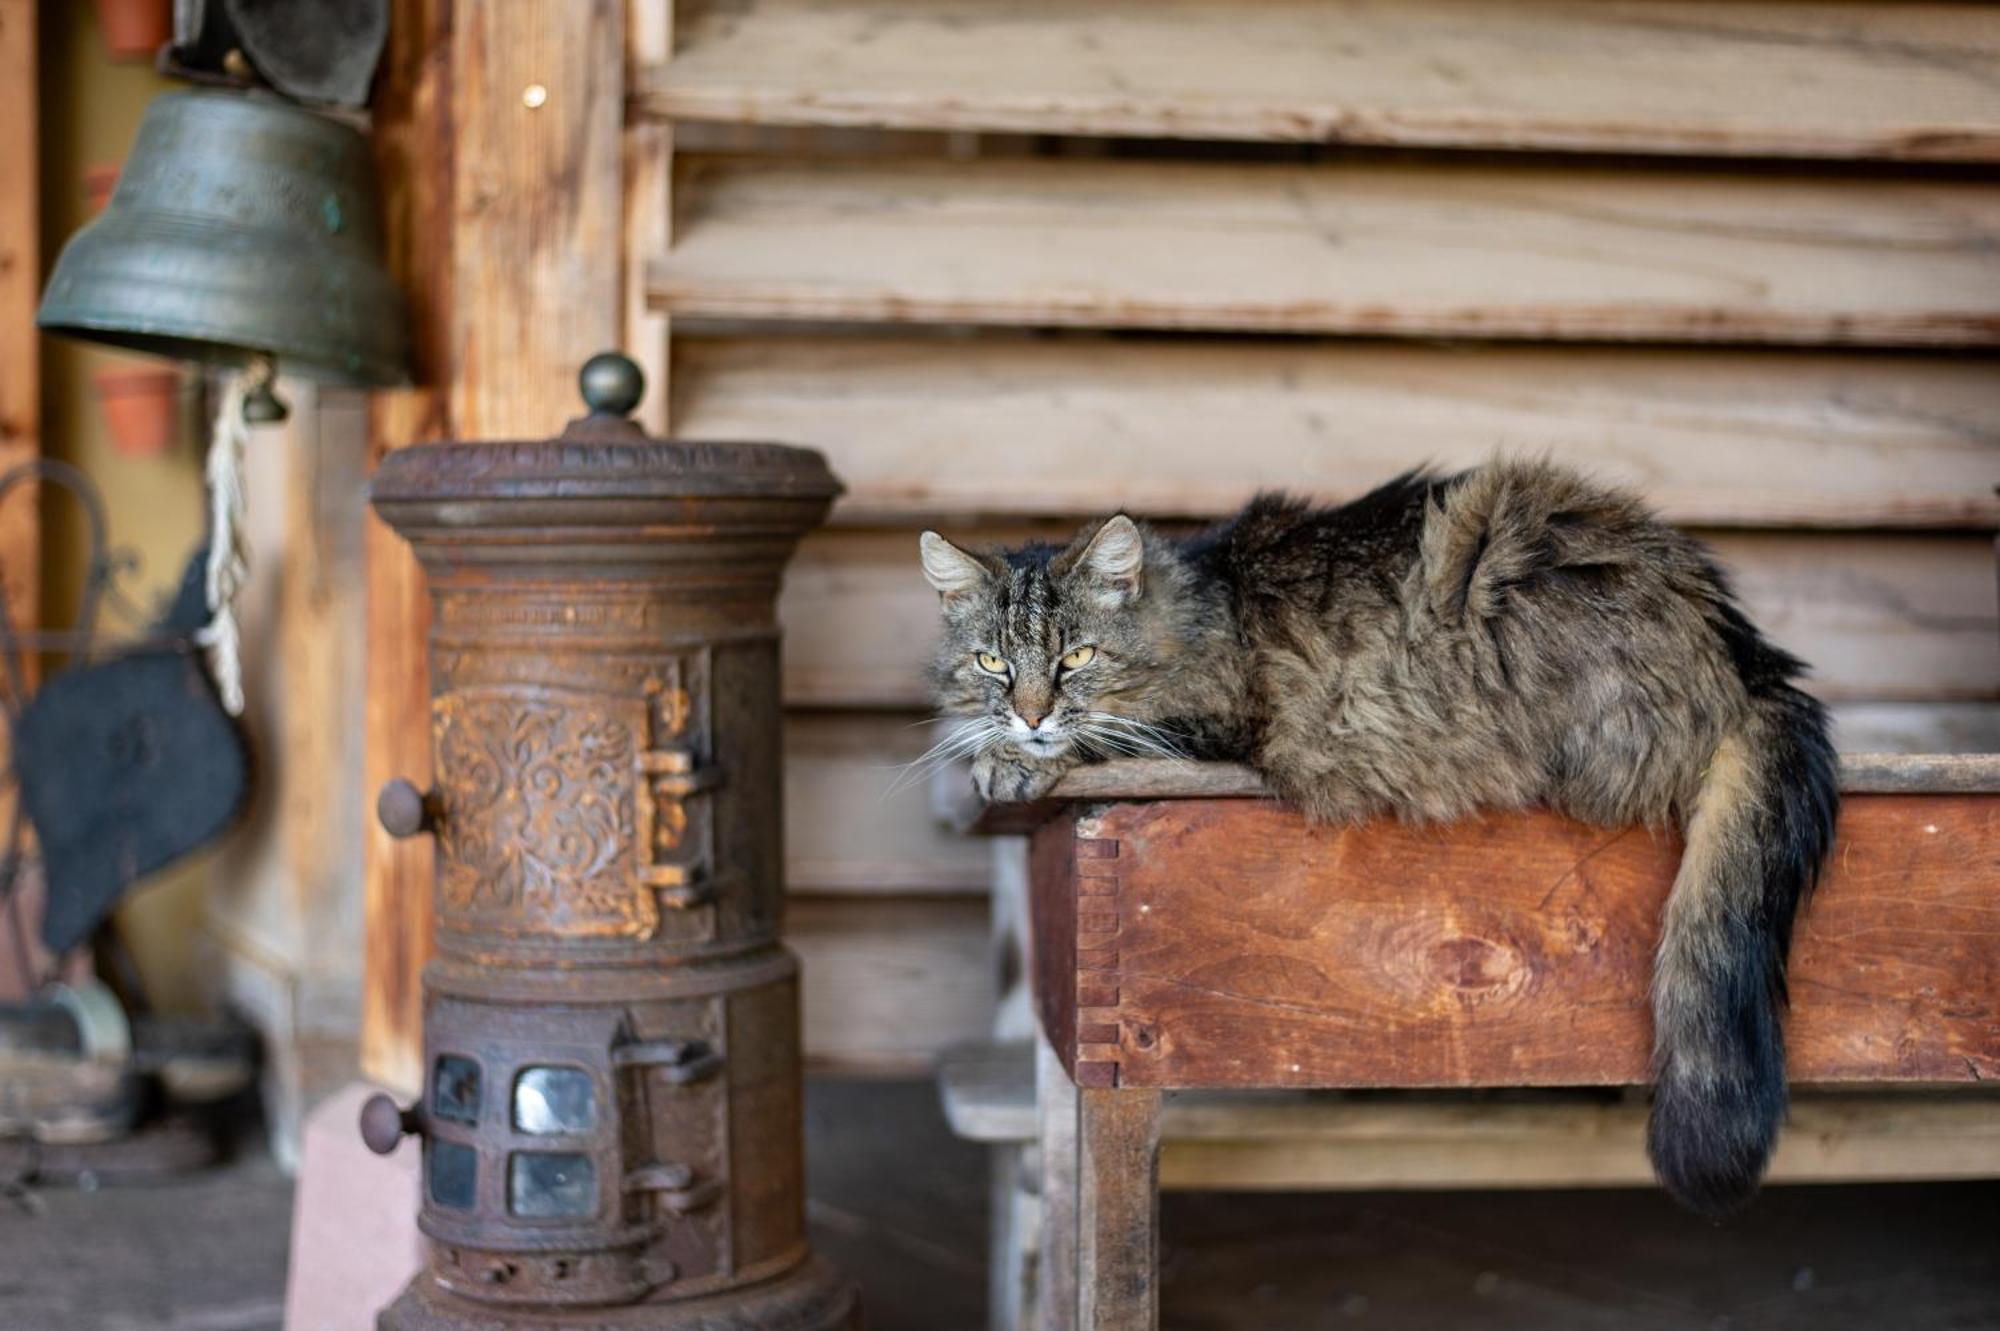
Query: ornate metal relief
[540,812]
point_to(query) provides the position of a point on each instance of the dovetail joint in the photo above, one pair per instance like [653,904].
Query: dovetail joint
[1099,1045]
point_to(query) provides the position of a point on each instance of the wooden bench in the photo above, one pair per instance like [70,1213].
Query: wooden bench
[1187,935]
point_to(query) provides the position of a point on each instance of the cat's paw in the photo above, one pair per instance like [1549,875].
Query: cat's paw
[1007,776]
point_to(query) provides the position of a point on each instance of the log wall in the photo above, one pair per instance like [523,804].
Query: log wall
[1012,265]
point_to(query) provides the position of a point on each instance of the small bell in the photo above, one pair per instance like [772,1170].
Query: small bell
[242,226]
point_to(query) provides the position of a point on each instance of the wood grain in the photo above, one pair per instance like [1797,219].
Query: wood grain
[412,142]
[857,821]
[1861,773]
[646,149]
[1055,1104]
[1442,249]
[1301,1141]
[1118,1210]
[887,983]
[504,223]
[1869,80]
[1827,1138]
[1881,618]
[1918,772]
[20,350]
[1508,950]
[940,430]
[537,210]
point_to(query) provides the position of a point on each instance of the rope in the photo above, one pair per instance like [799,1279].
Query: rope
[228,546]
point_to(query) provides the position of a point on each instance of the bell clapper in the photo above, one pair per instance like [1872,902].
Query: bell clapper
[261,403]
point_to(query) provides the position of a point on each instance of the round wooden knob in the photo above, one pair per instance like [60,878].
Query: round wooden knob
[383,1124]
[403,810]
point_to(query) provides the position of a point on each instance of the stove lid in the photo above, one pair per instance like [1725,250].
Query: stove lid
[601,456]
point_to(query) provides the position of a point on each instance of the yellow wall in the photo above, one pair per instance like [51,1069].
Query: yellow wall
[90,110]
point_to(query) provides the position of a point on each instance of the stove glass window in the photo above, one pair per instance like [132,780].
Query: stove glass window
[549,1100]
[551,1183]
[454,1174]
[455,1089]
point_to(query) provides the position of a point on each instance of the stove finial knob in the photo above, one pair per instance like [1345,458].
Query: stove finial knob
[383,1124]
[404,811]
[612,384]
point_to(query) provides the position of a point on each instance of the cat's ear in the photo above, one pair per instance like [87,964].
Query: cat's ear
[949,569]
[1113,559]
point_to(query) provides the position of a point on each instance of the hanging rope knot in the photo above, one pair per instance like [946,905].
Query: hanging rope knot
[228,545]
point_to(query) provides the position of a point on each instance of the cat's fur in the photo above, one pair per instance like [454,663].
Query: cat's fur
[1508,636]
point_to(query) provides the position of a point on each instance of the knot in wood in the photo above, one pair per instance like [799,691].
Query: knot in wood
[1476,968]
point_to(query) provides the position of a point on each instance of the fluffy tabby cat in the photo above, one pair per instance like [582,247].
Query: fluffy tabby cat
[1507,636]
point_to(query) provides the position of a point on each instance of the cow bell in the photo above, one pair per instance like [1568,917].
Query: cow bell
[242,229]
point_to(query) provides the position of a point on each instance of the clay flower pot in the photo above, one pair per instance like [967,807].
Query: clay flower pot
[141,405]
[98,182]
[135,29]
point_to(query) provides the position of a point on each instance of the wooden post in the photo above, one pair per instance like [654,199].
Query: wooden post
[1118,1210]
[20,358]
[20,275]
[412,146]
[1056,1105]
[498,130]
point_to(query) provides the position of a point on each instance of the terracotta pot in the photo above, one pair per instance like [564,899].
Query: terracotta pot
[141,405]
[135,29]
[98,182]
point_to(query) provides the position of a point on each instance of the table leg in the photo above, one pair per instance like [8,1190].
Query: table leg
[1055,1267]
[1118,1210]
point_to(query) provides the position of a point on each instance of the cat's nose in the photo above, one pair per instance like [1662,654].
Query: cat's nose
[1033,719]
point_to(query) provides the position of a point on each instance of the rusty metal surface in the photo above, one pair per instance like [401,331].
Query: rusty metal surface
[609,890]
[810,1297]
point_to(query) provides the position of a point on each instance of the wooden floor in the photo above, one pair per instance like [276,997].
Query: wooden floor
[901,1206]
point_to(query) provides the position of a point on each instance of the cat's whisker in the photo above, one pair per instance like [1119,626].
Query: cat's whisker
[971,738]
[1138,737]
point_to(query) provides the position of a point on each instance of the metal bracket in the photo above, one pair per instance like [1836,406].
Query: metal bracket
[675,1186]
[679,1062]
[668,778]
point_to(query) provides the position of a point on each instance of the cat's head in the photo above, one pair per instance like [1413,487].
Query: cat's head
[1051,648]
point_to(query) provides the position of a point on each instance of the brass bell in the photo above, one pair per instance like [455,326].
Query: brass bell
[242,227]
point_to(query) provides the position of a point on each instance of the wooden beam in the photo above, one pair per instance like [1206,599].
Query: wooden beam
[1503,950]
[538,209]
[940,430]
[20,386]
[1300,1141]
[412,138]
[859,814]
[1811,80]
[20,287]
[647,148]
[498,134]
[1118,1210]
[1170,779]
[888,982]
[1440,249]
[1861,773]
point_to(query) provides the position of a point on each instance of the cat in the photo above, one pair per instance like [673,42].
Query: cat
[1511,635]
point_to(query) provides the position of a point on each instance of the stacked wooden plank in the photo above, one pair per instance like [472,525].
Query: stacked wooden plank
[1015,264]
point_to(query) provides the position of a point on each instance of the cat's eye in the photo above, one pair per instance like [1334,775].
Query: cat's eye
[990,663]
[1078,657]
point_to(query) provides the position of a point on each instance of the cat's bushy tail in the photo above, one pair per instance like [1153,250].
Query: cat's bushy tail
[1759,829]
